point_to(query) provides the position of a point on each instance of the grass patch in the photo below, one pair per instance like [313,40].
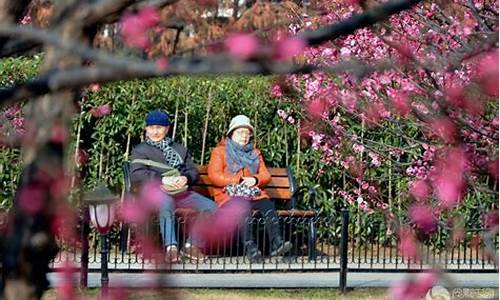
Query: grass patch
[264,294]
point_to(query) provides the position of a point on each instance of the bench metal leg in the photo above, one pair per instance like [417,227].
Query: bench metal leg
[124,238]
[311,247]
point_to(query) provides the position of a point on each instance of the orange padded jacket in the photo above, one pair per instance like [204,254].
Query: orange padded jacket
[220,176]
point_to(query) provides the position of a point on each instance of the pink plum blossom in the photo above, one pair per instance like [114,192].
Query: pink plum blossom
[401,103]
[101,111]
[276,91]
[317,108]
[94,87]
[282,113]
[26,20]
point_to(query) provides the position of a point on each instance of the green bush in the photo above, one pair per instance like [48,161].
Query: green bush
[193,101]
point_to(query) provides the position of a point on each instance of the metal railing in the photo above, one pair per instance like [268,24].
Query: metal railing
[334,250]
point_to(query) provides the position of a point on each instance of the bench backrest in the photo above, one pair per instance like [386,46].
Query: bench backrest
[281,187]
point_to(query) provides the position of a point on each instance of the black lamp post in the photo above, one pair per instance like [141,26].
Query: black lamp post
[102,214]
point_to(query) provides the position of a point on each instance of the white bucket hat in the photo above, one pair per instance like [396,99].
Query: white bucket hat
[239,121]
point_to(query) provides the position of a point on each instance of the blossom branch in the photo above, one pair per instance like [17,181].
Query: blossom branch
[369,17]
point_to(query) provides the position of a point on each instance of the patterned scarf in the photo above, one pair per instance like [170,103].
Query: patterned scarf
[239,157]
[172,158]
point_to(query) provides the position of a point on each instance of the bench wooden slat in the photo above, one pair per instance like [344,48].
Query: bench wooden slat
[279,193]
[204,190]
[274,193]
[282,182]
[280,172]
[296,213]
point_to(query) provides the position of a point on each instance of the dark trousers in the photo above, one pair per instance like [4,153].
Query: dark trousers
[268,212]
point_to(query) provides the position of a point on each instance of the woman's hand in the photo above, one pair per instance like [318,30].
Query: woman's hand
[249,181]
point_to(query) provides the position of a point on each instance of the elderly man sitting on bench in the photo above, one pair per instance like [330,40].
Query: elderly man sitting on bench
[159,158]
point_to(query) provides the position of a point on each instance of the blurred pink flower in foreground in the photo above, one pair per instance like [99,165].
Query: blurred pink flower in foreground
[493,169]
[31,199]
[132,212]
[151,196]
[401,103]
[242,46]
[222,224]
[419,190]
[66,289]
[423,217]
[150,199]
[161,64]
[407,244]
[444,129]
[288,48]
[488,73]
[415,288]
[135,27]
[448,190]
[148,248]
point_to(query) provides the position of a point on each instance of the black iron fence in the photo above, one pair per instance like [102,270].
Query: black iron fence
[327,250]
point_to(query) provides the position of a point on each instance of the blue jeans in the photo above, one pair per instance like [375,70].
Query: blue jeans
[188,199]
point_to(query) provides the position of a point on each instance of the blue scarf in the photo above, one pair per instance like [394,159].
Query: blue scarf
[239,157]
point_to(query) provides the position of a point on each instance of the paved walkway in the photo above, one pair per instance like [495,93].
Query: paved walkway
[276,280]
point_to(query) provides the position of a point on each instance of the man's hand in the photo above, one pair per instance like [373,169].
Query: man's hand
[249,181]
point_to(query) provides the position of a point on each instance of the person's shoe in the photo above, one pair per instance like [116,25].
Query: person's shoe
[193,253]
[280,247]
[171,254]
[252,252]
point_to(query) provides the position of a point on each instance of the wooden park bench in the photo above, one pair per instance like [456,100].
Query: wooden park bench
[282,189]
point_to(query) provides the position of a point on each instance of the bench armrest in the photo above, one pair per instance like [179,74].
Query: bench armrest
[126,176]
[299,192]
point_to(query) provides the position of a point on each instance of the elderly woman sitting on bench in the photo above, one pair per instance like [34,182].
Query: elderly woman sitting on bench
[237,169]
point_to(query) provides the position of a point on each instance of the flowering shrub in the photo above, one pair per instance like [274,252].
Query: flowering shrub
[425,112]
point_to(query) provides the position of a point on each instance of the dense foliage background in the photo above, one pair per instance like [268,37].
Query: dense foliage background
[107,133]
